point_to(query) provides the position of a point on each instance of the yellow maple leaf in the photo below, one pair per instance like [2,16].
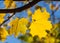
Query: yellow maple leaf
[13,25]
[2,15]
[9,4]
[18,26]
[6,3]
[22,25]
[41,23]
[3,34]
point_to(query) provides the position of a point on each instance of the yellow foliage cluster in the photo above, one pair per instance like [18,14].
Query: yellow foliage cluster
[9,4]
[2,15]
[50,39]
[17,26]
[3,34]
[40,23]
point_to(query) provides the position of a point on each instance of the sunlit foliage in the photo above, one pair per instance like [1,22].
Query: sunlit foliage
[3,34]
[39,24]
[37,27]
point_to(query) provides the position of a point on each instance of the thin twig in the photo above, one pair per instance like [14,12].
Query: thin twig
[7,19]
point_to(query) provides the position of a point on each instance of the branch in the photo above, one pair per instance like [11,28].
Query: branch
[20,8]
[17,10]
[7,19]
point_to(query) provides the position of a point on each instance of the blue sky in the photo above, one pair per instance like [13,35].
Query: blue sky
[12,39]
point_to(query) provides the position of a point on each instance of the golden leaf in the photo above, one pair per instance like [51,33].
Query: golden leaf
[3,34]
[18,26]
[40,24]
[2,15]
